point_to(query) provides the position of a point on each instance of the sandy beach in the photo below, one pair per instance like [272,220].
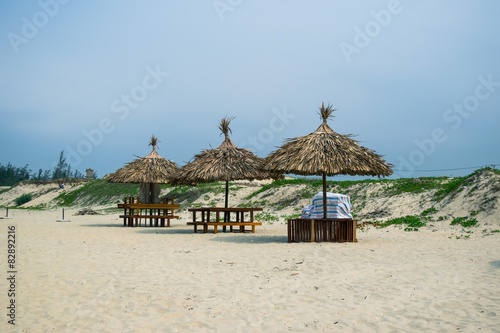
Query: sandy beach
[94,275]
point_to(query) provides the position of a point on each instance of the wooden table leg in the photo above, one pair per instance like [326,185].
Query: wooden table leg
[194,220]
[312,231]
[289,229]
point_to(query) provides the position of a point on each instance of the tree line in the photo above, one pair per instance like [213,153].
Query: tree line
[10,174]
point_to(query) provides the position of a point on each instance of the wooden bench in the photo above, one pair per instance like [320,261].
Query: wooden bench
[157,213]
[216,225]
[154,220]
[234,217]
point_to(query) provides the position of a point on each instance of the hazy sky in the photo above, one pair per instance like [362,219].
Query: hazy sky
[416,81]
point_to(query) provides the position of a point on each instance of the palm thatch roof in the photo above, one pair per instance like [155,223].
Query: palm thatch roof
[149,169]
[326,152]
[224,163]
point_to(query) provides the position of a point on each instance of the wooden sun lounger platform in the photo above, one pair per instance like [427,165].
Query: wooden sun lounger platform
[134,211]
[322,230]
[238,218]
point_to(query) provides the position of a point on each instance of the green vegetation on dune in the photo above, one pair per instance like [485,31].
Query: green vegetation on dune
[291,216]
[496,171]
[464,221]
[101,192]
[449,187]
[285,182]
[457,184]
[429,211]
[348,184]
[187,194]
[313,185]
[410,223]
[414,185]
[413,223]
[442,187]
[97,192]
[266,217]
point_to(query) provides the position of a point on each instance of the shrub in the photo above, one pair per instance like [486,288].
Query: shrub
[26,197]
[412,223]
[464,221]
[429,211]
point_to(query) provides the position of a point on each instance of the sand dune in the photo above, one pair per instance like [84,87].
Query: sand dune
[371,201]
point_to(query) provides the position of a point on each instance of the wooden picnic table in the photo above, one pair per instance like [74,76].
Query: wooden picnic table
[225,217]
[157,213]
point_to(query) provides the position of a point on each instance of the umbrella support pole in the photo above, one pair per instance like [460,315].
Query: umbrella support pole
[325,212]
[226,202]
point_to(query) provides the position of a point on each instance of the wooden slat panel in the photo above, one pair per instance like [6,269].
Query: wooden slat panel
[321,230]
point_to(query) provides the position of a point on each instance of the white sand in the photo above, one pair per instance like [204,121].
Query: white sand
[94,275]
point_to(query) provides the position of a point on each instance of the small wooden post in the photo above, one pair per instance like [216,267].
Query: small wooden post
[63,220]
[6,214]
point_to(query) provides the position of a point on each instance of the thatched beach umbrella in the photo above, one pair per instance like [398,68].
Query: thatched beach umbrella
[149,171]
[224,163]
[326,153]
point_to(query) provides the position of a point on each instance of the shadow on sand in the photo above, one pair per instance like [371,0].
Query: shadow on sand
[164,230]
[220,237]
[143,230]
[495,263]
[104,225]
[251,239]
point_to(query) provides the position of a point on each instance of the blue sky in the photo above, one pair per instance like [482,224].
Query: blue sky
[416,81]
